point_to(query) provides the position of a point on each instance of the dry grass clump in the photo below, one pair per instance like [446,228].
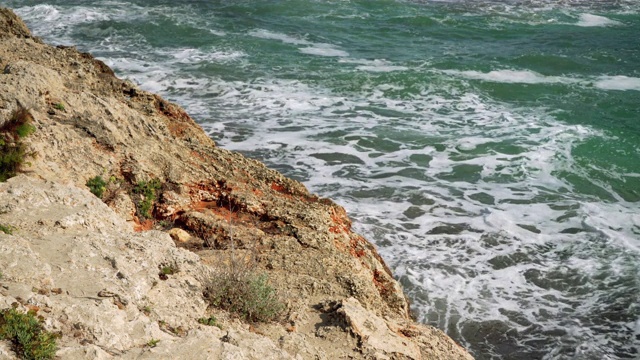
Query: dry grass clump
[244,293]
[13,152]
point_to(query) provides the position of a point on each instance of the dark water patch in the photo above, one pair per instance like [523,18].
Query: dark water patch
[463,172]
[572,230]
[531,228]
[422,160]
[491,240]
[337,158]
[504,261]
[374,143]
[413,212]
[350,171]
[452,229]
[516,317]
[492,338]
[415,173]
[567,279]
[566,216]
[368,193]
[551,63]
[585,186]
[483,198]
[418,198]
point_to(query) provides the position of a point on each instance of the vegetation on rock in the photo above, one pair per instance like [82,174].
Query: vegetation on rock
[28,337]
[246,294]
[13,152]
[210,321]
[7,229]
[153,343]
[149,191]
[97,186]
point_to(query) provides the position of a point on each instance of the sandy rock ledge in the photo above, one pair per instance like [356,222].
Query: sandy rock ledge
[93,268]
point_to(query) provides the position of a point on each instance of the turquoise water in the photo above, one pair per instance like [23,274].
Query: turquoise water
[490,149]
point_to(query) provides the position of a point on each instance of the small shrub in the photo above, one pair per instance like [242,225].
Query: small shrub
[59,106]
[210,321]
[153,343]
[29,339]
[165,224]
[13,152]
[97,186]
[149,191]
[245,293]
[168,270]
[7,229]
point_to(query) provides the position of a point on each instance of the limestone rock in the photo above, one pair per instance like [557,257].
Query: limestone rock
[374,332]
[179,235]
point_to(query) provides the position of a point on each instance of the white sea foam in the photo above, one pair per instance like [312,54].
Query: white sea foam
[617,83]
[311,48]
[191,55]
[57,22]
[589,20]
[604,82]
[266,34]
[512,76]
[323,50]
[376,65]
[382,68]
[217,32]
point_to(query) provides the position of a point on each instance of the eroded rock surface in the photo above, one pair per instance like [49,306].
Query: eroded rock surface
[91,266]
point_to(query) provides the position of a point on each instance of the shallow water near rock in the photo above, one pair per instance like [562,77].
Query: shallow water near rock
[490,149]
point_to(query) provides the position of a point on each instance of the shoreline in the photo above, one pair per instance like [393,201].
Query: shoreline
[163,175]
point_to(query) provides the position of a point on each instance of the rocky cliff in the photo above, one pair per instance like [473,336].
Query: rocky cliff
[126,275]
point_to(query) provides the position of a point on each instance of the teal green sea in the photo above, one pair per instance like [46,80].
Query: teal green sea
[490,149]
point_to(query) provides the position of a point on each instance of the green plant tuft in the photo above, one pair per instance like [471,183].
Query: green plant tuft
[97,186]
[245,293]
[7,229]
[210,321]
[153,342]
[59,106]
[13,152]
[168,270]
[25,130]
[28,337]
[149,191]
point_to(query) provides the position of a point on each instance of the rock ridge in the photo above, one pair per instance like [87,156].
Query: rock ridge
[92,268]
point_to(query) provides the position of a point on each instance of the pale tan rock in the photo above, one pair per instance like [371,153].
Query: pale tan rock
[374,332]
[179,235]
[107,278]
[123,206]
[5,352]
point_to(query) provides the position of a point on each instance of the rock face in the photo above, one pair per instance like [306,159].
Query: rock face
[94,268]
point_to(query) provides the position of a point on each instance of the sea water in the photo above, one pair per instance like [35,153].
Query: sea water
[490,149]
